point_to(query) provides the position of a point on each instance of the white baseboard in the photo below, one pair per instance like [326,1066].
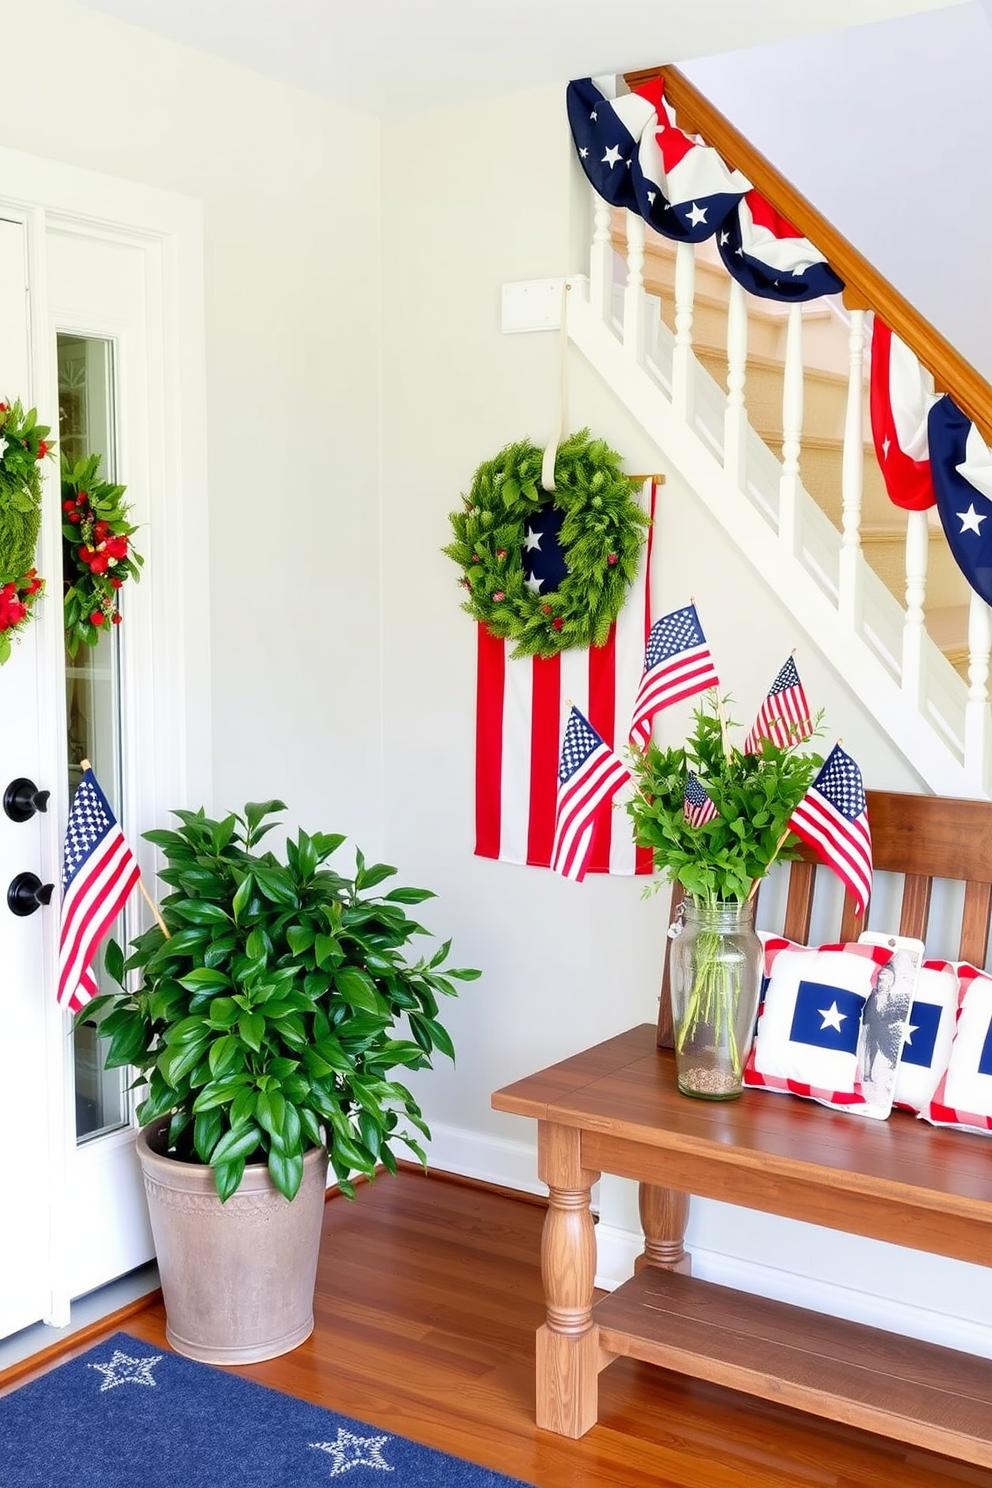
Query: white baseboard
[513,1165]
[494,1160]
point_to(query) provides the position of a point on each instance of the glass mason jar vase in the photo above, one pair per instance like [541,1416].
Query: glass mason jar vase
[715,975]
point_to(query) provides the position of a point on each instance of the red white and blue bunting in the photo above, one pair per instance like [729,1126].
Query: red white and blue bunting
[931,453]
[961,465]
[901,393]
[636,157]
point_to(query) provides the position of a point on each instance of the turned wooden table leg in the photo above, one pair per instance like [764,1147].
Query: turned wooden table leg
[664,1216]
[568,1357]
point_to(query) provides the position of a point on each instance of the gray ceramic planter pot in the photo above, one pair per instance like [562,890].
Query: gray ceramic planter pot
[237,1278]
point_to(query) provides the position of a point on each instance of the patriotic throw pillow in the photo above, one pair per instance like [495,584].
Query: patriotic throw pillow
[809,1021]
[929,1035]
[964,1095]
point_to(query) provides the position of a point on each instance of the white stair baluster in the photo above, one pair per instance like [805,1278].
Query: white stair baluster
[685,296]
[792,428]
[917,557]
[853,472]
[735,422]
[634,327]
[976,732]
[601,260]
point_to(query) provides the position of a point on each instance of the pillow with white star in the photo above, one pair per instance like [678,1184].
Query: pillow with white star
[929,1035]
[809,1020]
[963,1097]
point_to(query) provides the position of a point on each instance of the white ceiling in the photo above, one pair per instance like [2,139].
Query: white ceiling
[397,56]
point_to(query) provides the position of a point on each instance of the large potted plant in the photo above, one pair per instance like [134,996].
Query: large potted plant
[265,1015]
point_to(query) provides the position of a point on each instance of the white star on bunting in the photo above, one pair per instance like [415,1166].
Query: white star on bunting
[354,1451]
[971,521]
[123,1370]
[696,215]
[612,157]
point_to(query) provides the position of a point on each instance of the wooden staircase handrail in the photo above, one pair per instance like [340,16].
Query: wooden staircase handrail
[865,288]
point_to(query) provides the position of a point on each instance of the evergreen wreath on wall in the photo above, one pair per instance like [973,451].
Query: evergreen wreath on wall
[23,445]
[591,520]
[97,553]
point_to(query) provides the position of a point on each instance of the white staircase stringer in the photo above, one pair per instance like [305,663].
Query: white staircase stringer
[911,732]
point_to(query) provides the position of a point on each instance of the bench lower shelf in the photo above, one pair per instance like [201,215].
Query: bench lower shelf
[932,1397]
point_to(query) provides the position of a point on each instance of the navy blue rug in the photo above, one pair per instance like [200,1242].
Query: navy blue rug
[127,1415]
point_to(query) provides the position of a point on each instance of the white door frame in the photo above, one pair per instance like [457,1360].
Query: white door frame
[167,720]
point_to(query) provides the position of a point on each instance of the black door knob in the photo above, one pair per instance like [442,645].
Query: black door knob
[27,893]
[22,799]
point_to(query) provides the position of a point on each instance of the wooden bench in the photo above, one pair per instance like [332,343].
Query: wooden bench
[615,1108]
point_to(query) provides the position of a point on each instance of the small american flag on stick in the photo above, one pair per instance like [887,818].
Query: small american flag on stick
[784,716]
[833,818]
[697,808]
[99,871]
[589,776]
[677,665]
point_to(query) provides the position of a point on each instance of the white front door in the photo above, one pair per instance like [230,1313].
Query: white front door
[97,332]
[30,1093]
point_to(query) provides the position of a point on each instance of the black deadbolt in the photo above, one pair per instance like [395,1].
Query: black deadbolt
[27,893]
[22,799]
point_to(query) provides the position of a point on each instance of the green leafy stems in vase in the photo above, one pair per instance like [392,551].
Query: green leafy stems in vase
[716,818]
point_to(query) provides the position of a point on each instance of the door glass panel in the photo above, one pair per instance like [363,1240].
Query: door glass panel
[93,686]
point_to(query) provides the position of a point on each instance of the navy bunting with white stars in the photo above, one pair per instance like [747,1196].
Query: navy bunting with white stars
[961,466]
[635,157]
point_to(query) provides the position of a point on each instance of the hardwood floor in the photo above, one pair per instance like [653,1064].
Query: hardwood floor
[428,1297]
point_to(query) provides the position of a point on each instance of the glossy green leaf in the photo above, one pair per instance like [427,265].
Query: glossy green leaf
[286,1172]
[356,988]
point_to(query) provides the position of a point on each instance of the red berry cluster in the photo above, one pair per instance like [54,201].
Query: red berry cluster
[100,552]
[17,598]
[99,555]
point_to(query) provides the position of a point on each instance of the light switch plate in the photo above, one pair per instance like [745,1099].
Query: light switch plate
[531,305]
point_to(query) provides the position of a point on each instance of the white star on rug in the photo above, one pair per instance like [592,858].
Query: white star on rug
[349,1451]
[123,1370]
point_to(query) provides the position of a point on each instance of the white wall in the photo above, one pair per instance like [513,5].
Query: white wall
[565,964]
[290,191]
[884,127]
[494,198]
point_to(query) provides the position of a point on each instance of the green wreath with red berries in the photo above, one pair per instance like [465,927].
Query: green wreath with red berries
[602,531]
[23,445]
[98,557]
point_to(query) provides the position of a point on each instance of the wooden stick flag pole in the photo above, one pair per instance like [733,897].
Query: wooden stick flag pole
[778,848]
[727,747]
[85,765]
